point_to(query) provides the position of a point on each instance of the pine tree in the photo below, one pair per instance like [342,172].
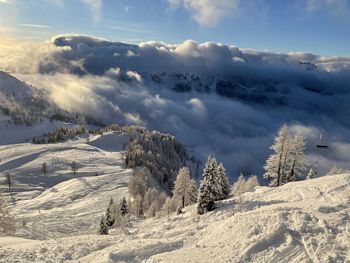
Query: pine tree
[277,163]
[251,183]
[207,190]
[298,161]
[110,214]
[185,191]
[103,227]
[223,185]
[124,209]
[239,188]
[168,207]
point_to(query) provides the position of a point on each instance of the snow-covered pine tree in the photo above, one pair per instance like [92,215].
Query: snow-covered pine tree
[276,164]
[239,187]
[124,208]
[311,174]
[208,187]
[224,187]
[150,196]
[110,214]
[185,191]
[297,159]
[168,207]
[103,227]
[7,225]
[251,183]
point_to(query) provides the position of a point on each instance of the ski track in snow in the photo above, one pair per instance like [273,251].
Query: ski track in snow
[299,222]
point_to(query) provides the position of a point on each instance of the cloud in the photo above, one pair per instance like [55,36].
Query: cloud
[206,12]
[336,7]
[95,7]
[35,26]
[5,1]
[215,98]
[56,2]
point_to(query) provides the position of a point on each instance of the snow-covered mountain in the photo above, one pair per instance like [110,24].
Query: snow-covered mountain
[17,98]
[305,221]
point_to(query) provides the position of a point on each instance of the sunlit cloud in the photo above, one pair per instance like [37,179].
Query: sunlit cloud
[206,12]
[95,7]
[35,26]
[111,81]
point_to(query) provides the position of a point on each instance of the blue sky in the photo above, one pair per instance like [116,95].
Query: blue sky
[316,26]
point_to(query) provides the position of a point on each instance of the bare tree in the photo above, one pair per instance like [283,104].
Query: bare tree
[8,180]
[44,168]
[74,167]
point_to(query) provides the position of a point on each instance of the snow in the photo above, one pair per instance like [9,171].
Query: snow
[305,221]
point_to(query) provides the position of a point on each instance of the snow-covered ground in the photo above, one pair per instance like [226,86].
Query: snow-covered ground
[306,221]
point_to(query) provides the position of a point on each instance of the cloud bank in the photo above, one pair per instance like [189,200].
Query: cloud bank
[215,98]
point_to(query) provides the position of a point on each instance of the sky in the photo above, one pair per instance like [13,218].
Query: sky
[315,26]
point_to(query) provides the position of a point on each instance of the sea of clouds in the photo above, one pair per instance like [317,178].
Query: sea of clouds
[108,80]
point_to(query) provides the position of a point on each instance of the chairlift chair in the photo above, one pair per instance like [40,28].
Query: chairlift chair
[322,142]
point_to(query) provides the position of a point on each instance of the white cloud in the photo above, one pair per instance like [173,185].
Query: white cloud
[35,25]
[337,7]
[95,7]
[84,74]
[5,1]
[207,12]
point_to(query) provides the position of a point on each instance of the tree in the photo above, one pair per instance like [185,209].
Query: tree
[223,185]
[44,168]
[207,192]
[251,183]
[8,180]
[150,196]
[6,220]
[138,206]
[103,227]
[277,163]
[311,174]
[110,214]
[138,184]
[168,207]
[239,188]
[74,167]
[184,191]
[298,161]
[124,209]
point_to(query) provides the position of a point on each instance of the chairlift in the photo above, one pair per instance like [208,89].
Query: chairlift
[322,144]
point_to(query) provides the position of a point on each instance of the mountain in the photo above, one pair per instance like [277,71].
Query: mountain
[19,99]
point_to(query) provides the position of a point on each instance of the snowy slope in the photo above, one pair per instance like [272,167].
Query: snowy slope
[18,97]
[59,203]
[304,221]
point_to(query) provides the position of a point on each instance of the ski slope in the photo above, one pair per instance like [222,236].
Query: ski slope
[305,221]
[60,203]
